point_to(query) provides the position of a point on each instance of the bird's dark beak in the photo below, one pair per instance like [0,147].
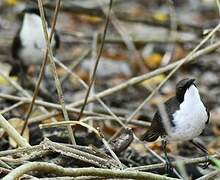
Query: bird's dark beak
[190,82]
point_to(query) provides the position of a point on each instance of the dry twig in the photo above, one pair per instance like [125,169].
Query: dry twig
[22,142]
[53,69]
[97,61]
[76,172]
[44,62]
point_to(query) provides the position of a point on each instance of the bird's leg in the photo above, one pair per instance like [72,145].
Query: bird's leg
[23,74]
[168,163]
[204,150]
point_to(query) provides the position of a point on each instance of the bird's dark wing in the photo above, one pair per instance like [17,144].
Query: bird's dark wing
[157,128]
[15,61]
[57,40]
[172,105]
[208,114]
[16,46]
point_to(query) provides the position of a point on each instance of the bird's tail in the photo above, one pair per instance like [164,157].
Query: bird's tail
[18,69]
[150,136]
[15,70]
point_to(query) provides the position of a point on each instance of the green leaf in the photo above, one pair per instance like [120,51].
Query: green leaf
[216,161]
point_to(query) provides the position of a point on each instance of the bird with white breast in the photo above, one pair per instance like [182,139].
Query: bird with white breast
[187,117]
[29,45]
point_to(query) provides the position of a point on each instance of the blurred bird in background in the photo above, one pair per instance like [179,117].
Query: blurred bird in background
[29,46]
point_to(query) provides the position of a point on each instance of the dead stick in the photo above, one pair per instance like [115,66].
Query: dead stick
[22,142]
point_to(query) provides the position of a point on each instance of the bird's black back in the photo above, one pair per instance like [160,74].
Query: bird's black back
[32,10]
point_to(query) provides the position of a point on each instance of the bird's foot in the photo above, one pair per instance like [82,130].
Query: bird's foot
[207,163]
[168,167]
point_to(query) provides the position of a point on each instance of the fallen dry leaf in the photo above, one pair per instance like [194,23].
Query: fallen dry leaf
[153,61]
[18,124]
[152,82]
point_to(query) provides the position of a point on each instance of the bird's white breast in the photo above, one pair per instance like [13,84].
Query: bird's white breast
[32,40]
[190,119]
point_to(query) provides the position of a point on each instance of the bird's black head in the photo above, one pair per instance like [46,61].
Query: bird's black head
[181,88]
[28,10]
[31,11]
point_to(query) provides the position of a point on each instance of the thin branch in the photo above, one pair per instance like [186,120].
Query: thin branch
[15,85]
[43,117]
[22,142]
[42,69]
[94,116]
[41,103]
[74,64]
[134,55]
[54,72]
[179,38]
[155,154]
[136,122]
[72,123]
[107,146]
[19,88]
[4,165]
[86,86]
[11,107]
[98,133]
[93,61]
[22,150]
[139,123]
[139,79]
[97,61]
[76,172]
[34,156]
[88,157]
[49,105]
[174,164]
[212,175]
